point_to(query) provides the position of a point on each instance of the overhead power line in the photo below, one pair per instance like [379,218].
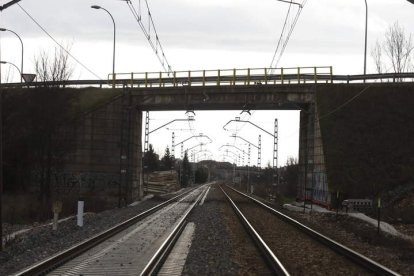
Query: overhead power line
[54,40]
[292,17]
[149,30]
[345,103]
[11,3]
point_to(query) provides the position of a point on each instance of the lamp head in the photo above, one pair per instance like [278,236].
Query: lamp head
[96,7]
[3,62]
[411,1]
[3,29]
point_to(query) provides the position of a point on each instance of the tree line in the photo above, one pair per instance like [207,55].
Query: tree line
[188,173]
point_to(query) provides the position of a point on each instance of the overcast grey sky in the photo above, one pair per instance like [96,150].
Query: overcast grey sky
[206,35]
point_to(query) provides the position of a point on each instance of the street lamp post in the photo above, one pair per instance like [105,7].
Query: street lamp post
[366,36]
[21,41]
[7,62]
[113,54]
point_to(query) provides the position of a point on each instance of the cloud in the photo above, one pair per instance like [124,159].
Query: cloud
[325,28]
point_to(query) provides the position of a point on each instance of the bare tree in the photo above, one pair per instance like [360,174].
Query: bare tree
[53,68]
[376,54]
[39,128]
[398,47]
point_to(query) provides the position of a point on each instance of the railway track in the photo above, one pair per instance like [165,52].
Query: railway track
[136,246]
[141,245]
[292,248]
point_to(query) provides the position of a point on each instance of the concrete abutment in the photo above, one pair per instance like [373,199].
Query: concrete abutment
[313,183]
[107,157]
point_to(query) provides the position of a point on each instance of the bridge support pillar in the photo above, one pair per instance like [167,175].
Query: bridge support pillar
[312,184]
[106,162]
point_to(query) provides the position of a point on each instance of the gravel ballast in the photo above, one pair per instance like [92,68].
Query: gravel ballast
[218,248]
[221,246]
[395,253]
[41,242]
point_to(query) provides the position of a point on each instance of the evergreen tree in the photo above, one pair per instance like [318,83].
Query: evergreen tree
[289,177]
[201,175]
[185,171]
[151,160]
[167,161]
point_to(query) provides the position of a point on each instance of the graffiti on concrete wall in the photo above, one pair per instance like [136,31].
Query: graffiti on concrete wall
[85,183]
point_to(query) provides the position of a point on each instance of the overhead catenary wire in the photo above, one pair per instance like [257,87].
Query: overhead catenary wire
[153,40]
[246,119]
[54,40]
[329,113]
[280,37]
[282,43]
[332,111]
[284,39]
[288,37]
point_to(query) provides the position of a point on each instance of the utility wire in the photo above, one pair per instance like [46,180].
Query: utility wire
[153,40]
[283,41]
[288,37]
[245,117]
[345,103]
[280,37]
[336,109]
[51,37]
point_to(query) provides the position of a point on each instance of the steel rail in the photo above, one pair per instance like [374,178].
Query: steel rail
[157,260]
[271,258]
[59,259]
[362,260]
[244,80]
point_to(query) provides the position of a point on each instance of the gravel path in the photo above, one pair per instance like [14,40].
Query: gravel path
[42,242]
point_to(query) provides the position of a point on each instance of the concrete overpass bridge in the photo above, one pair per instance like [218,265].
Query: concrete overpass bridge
[108,151]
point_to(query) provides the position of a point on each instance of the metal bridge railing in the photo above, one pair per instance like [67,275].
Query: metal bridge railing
[228,77]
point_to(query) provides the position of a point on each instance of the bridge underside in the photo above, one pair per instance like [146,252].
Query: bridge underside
[258,97]
[312,181]
[109,144]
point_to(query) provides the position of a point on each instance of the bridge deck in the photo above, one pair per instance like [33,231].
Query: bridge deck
[229,77]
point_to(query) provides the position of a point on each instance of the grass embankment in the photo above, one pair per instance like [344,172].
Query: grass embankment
[367,133]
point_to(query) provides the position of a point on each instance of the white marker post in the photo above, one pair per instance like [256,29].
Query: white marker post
[81,204]
[57,208]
